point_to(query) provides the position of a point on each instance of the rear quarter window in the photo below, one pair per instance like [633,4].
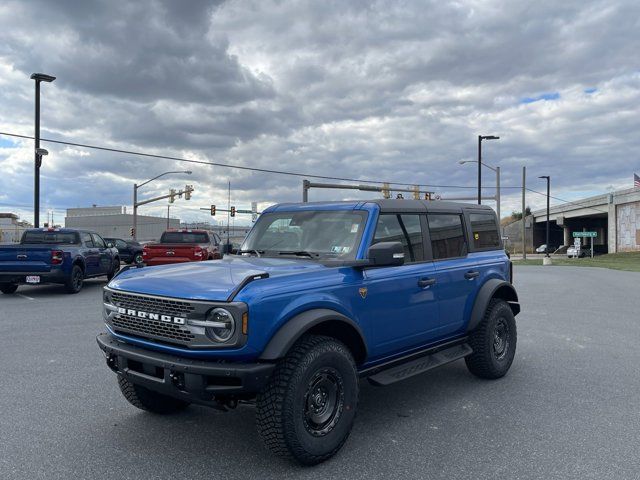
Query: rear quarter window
[484,231]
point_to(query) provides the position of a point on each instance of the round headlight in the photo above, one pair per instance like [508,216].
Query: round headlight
[225,325]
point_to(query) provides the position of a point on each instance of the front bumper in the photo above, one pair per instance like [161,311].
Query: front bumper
[195,381]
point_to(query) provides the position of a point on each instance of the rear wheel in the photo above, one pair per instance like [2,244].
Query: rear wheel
[150,401]
[8,288]
[75,281]
[493,342]
[307,409]
[137,259]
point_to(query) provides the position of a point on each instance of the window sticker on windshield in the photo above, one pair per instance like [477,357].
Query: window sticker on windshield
[354,228]
[340,249]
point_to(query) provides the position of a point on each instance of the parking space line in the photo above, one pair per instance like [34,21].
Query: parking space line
[24,296]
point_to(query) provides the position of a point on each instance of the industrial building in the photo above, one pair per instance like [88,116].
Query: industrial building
[614,216]
[116,222]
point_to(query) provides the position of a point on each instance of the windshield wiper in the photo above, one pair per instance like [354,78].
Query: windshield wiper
[300,253]
[258,253]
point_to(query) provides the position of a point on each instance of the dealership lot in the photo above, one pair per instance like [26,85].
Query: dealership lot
[567,409]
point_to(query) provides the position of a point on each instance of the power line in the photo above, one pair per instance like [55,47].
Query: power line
[224,165]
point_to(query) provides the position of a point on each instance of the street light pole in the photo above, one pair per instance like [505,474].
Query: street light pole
[548,192]
[135,198]
[495,169]
[38,77]
[480,139]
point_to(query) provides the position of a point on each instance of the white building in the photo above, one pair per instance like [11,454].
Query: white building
[11,228]
[116,222]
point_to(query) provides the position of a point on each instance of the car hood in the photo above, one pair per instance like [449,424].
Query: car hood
[210,280]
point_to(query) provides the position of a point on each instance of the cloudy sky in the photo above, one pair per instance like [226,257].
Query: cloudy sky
[389,91]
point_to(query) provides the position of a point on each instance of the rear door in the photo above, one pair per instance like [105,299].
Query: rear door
[400,300]
[91,254]
[456,271]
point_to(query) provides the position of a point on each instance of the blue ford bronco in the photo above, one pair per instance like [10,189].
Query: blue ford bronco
[318,296]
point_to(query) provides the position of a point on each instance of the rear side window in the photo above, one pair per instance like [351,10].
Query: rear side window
[484,231]
[447,236]
[86,238]
[40,237]
[184,237]
[402,228]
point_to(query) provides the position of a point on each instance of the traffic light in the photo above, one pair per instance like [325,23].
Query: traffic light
[213,210]
[386,193]
[416,192]
[187,192]
[132,232]
[233,211]
[172,195]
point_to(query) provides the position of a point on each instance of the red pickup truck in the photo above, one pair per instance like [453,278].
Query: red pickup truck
[178,246]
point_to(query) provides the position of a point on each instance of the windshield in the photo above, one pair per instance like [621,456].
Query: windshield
[43,237]
[324,233]
[184,237]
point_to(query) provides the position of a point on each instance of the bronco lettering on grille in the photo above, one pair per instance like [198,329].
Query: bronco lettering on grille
[151,316]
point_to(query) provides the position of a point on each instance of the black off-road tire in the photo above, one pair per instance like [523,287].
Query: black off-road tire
[114,270]
[144,399]
[8,288]
[75,281]
[287,414]
[493,342]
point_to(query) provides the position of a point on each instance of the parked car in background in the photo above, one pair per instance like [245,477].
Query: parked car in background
[179,246]
[56,255]
[130,251]
[576,252]
[543,248]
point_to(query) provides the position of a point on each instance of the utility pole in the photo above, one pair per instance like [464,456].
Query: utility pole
[498,199]
[168,206]
[524,212]
[38,77]
[480,139]
[548,196]
[228,217]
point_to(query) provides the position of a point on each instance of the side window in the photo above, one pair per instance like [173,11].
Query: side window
[447,236]
[120,244]
[484,230]
[402,228]
[86,239]
[98,241]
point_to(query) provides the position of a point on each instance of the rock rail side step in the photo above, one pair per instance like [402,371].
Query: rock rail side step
[420,365]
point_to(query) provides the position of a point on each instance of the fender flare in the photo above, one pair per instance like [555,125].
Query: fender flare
[301,323]
[492,288]
[79,259]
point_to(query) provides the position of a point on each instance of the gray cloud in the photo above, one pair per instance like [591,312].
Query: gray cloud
[377,90]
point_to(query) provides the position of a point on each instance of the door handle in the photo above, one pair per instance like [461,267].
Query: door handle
[471,274]
[426,282]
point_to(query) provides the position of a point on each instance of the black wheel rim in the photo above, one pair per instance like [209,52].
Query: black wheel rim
[77,280]
[323,402]
[501,339]
[138,258]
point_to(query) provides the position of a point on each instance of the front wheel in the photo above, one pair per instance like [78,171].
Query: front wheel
[493,342]
[145,399]
[8,288]
[307,409]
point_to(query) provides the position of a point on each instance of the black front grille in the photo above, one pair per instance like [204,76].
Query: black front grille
[164,306]
[146,327]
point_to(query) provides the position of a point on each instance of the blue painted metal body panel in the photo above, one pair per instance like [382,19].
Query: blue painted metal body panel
[396,316]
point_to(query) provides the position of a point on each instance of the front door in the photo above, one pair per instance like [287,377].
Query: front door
[104,254]
[401,302]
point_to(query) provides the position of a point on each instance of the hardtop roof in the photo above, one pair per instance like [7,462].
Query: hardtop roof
[387,205]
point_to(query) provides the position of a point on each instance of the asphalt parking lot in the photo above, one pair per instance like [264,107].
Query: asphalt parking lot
[568,408]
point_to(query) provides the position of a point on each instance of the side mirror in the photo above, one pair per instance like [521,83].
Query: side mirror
[386,254]
[109,245]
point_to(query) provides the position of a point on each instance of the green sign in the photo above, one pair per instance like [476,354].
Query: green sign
[243,211]
[585,234]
